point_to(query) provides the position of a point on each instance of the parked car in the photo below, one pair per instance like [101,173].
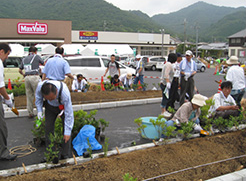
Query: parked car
[11,69]
[93,67]
[131,62]
[161,63]
[200,66]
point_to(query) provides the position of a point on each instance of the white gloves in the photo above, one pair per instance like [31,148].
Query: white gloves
[168,85]
[137,74]
[40,115]
[9,103]
[187,75]
[197,127]
[176,121]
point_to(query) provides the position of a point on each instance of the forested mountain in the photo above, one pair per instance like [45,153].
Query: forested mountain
[214,22]
[84,14]
[205,16]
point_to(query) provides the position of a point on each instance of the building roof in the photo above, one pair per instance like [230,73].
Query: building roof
[240,34]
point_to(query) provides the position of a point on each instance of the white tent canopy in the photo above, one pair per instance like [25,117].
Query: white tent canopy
[72,49]
[16,50]
[45,49]
[87,52]
[109,49]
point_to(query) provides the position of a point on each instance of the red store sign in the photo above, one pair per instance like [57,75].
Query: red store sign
[32,28]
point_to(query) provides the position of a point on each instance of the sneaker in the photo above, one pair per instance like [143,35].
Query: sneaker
[166,114]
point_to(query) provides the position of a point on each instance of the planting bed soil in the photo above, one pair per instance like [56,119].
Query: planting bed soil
[94,97]
[158,160]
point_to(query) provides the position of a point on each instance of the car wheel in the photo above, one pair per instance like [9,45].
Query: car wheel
[153,68]
[202,69]
[131,66]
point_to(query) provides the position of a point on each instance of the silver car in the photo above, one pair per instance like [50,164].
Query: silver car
[200,66]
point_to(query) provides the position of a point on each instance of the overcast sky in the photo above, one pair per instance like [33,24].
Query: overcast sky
[153,7]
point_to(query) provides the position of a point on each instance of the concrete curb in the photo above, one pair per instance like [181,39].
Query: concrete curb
[86,107]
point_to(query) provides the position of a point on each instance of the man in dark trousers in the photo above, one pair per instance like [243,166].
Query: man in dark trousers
[188,69]
[30,64]
[56,95]
[4,152]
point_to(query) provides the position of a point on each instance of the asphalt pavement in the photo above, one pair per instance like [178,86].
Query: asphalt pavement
[122,130]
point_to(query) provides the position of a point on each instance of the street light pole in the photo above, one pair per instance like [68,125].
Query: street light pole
[162,39]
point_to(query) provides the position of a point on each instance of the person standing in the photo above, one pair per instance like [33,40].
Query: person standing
[235,74]
[174,95]
[113,68]
[165,83]
[188,69]
[4,152]
[56,67]
[139,72]
[56,93]
[30,64]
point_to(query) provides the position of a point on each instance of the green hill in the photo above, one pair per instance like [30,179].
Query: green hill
[85,14]
[200,13]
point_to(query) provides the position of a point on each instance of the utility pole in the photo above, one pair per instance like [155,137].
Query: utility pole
[184,35]
[162,39]
[196,27]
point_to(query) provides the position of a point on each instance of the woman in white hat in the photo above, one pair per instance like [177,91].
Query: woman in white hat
[189,111]
[235,74]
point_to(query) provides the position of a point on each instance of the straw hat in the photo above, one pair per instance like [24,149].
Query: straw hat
[128,75]
[232,60]
[199,100]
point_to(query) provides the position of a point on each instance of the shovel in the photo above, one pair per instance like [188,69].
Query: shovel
[14,110]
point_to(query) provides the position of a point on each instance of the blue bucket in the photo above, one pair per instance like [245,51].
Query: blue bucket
[150,131]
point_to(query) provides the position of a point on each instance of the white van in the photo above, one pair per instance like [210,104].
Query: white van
[93,67]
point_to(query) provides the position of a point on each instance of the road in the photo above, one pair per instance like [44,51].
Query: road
[121,131]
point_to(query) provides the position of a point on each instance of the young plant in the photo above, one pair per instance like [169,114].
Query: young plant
[159,125]
[38,130]
[127,177]
[89,149]
[169,131]
[141,126]
[186,129]
[53,150]
[105,147]
[171,110]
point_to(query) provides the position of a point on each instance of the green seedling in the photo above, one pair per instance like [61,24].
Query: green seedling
[105,147]
[89,149]
[186,129]
[127,177]
[141,126]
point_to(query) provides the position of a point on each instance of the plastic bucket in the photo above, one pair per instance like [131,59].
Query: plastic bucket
[150,131]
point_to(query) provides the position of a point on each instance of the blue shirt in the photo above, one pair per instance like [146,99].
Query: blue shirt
[65,100]
[56,68]
[187,67]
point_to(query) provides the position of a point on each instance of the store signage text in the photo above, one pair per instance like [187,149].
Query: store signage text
[88,35]
[32,28]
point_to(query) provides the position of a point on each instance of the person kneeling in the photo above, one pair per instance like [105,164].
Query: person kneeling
[189,111]
[224,104]
[79,84]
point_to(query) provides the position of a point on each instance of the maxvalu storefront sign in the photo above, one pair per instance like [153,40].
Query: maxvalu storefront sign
[88,35]
[32,28]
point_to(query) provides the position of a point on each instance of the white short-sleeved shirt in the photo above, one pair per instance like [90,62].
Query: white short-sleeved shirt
[2,84]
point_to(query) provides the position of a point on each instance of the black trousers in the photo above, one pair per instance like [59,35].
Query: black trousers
[51,113]
[186,87]
[173,93]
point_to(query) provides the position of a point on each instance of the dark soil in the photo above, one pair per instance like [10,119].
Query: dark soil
[94,97]
[158,160]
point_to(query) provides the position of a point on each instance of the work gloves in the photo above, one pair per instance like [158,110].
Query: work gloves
[40,115]
[9,103]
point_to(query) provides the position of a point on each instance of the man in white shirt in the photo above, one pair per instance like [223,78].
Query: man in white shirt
[224,104]
[235,74]
[4,152]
